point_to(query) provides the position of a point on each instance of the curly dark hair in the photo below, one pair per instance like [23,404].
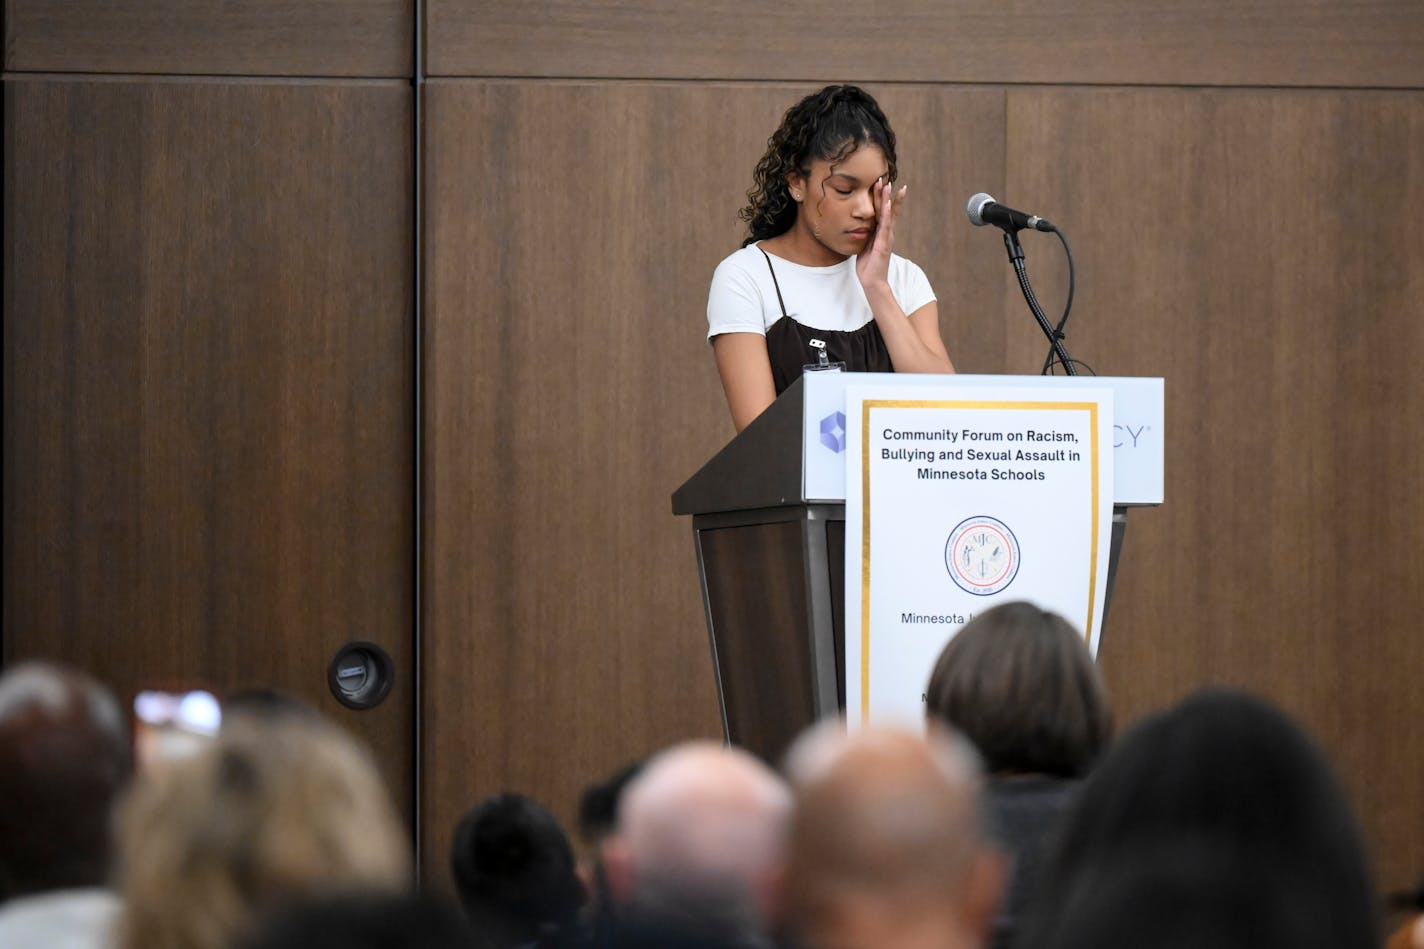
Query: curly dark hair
[827,125]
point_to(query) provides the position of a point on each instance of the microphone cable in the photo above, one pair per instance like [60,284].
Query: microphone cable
[1052,357]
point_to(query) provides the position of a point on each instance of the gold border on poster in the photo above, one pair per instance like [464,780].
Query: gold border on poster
[1037,405]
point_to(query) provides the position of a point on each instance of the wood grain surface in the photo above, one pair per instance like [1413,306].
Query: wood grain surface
[1151,42]
[209,344]
[757,595]
[1249,247]
[209,386]
[212,37]
[569,389]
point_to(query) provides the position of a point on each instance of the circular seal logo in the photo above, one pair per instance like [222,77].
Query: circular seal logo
[982,555]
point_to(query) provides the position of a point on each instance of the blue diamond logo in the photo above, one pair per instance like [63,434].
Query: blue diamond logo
[833,432]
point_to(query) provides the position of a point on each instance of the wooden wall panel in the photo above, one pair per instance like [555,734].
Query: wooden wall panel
[205,37]
[208,420]
[1216,42]
[571,232]
[1250,248]
[951,146]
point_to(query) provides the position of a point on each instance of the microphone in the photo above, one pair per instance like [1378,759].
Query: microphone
[983,209]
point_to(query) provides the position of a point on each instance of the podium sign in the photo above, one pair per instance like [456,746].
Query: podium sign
[1137,442]
[959,498]
[814,596]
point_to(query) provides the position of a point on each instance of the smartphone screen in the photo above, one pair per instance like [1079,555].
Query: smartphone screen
[173,724]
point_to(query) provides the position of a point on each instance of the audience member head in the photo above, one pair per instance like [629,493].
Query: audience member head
[1020,684]
[701,836]
[270,810]
[64,756]
[378,920]
[1221,818]
[598,823]
[514,870]
[598,805]
[1175,892]
[887,843]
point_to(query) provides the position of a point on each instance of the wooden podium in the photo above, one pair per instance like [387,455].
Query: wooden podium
[772,570]
[771,562]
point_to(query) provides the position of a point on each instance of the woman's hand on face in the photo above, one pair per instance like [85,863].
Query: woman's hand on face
[872,265]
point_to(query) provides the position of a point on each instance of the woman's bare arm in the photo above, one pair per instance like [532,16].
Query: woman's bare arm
[745,368]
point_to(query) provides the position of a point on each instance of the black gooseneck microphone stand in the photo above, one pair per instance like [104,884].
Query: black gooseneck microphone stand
[1054,334]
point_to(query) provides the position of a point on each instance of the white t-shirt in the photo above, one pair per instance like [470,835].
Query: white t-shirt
[743,298]
[61,919]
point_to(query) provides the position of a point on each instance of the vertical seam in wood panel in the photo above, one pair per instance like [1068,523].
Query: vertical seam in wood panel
[418,402]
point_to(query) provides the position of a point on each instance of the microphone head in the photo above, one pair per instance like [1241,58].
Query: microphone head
[975,208]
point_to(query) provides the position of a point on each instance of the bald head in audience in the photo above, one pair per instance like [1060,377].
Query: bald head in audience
[886,844]
[701,841]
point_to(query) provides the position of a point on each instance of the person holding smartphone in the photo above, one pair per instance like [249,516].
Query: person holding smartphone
[816,283]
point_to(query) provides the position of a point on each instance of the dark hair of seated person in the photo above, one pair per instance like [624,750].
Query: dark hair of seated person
[514,871]
[1222,815]
[64,759]
[363,921]
[1019,683]
[597,823]
[598,804]
[1177,892]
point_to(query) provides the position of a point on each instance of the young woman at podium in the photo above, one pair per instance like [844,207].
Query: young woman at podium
[815,285]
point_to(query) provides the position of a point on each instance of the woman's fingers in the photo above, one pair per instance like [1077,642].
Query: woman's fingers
[894,201]
[890,202]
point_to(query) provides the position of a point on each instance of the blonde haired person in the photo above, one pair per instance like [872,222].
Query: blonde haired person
[273,808]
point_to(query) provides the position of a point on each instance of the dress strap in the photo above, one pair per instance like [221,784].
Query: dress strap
[780,302]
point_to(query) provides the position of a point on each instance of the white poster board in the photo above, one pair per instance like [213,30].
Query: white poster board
[1139,435]
[957,501]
